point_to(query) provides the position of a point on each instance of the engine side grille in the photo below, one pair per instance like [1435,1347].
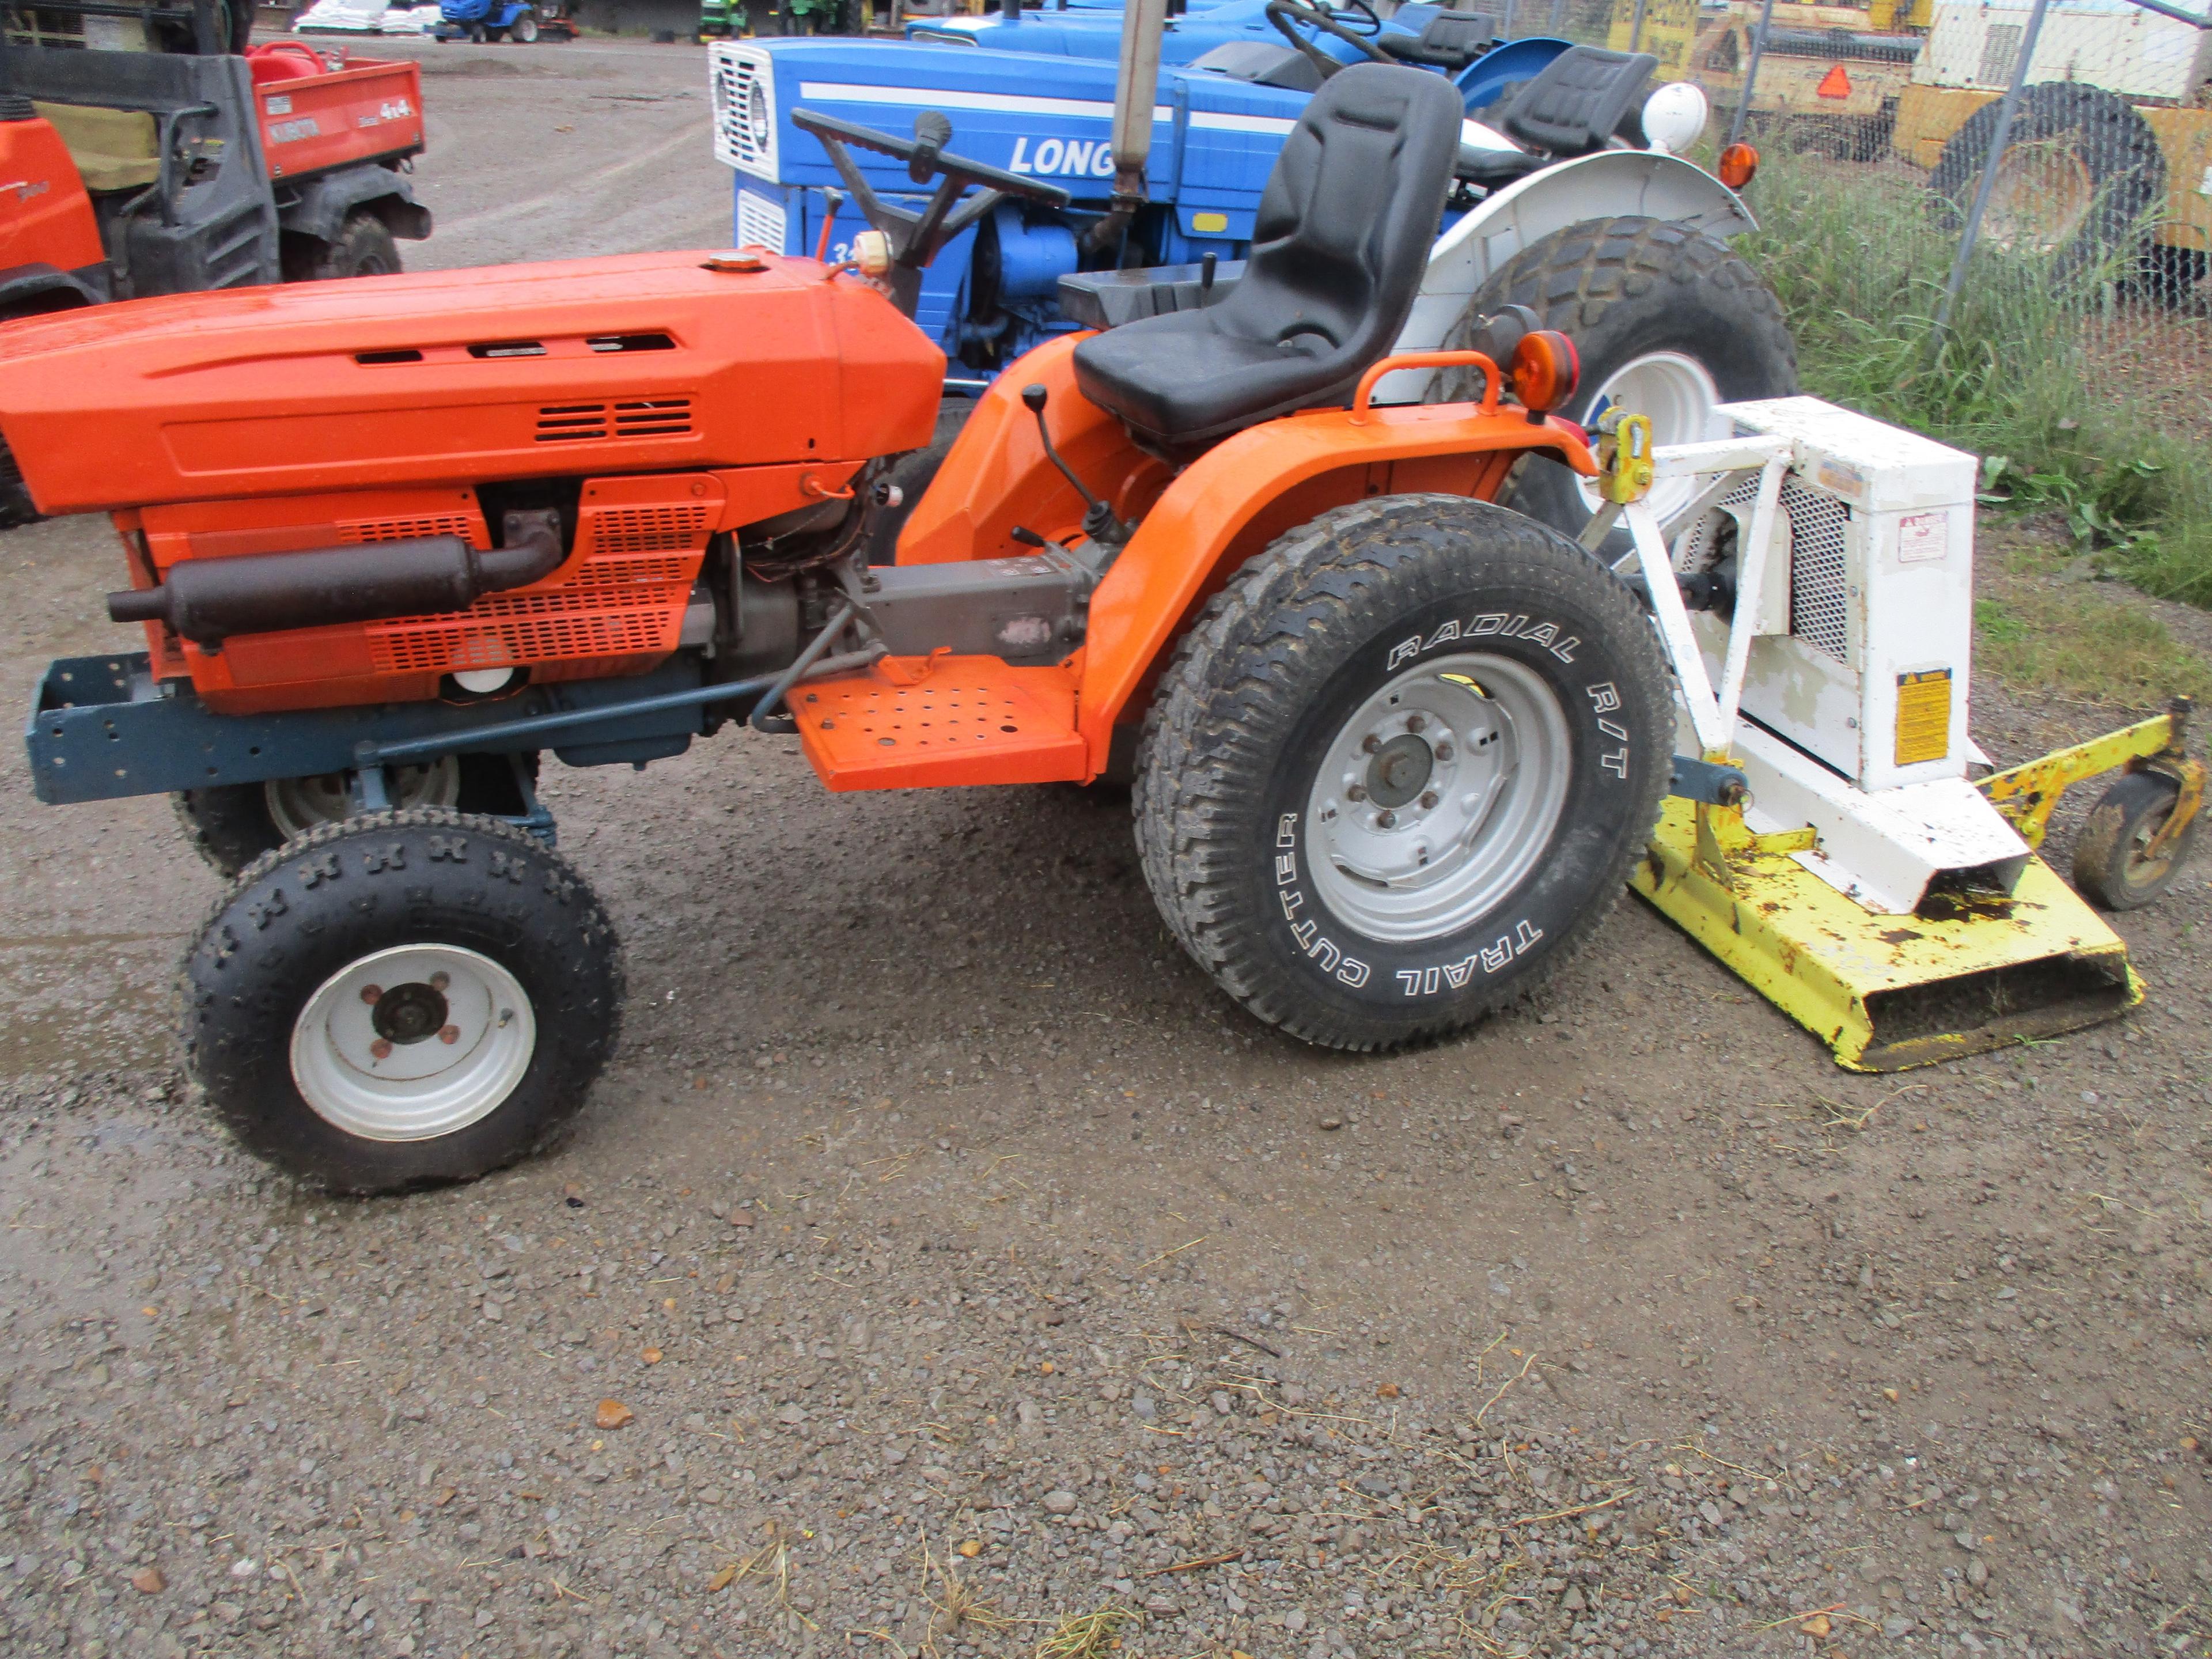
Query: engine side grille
[561,424]
[1820,610]
[358,531]
[647,529]
[642,417]
[622,605]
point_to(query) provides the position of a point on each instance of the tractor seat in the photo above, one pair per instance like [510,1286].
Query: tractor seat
[1450,41]
[1573,107]
[1339,246]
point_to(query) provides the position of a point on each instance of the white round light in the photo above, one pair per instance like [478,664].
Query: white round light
[481,680]
[1674,117]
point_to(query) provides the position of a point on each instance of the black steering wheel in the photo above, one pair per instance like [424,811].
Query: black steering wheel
[1287,15]
[917,238]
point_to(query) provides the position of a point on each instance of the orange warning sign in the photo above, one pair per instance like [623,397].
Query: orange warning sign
[1834,84]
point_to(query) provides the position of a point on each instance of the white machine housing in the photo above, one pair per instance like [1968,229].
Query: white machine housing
[2100,43]
[1844,674]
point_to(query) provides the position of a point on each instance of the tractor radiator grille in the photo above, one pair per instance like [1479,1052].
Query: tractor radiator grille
[619,604]
[644,417]
[741,79]
[647,529]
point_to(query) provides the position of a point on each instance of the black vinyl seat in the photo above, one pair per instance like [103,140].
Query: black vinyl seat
[1339,246]
[1573,107]
[1450,41]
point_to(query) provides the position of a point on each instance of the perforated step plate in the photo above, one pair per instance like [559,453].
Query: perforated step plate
[920,723]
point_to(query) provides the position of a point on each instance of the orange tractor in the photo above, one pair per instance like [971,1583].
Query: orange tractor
[1394,748]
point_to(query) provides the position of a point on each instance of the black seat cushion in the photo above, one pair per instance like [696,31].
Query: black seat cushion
[1574,104]
[1450,41]
[1492,168]
[1339,246]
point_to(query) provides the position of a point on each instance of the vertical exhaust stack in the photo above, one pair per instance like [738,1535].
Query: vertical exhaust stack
[1135,92]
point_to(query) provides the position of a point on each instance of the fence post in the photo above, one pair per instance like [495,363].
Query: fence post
[1635,28]
[1558,15]
[1506,27]
[1997,137]
[1751,71]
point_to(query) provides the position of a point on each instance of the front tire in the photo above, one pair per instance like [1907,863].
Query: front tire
[1668,321]
[404,998]
[523,30]
[1400,769]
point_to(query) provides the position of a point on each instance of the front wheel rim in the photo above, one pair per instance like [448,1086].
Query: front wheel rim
[1438,796]
[413,1042]
[1678,394]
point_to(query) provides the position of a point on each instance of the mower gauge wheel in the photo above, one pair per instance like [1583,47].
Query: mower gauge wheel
[405,997]
[2113,864]
[1401,767]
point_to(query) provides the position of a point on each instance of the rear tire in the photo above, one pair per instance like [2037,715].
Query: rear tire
[2109,863]
[405,999]
[364,247]
[232,824]
[1665,319]
[1521,732]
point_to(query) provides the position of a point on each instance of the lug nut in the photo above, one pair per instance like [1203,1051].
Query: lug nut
[440,981]
[1428,798]
[1356,792]
[1443,752]
[381,1048]
[449,1035]
[1370,744]
[1386,819]
[1415,723]
[369,994]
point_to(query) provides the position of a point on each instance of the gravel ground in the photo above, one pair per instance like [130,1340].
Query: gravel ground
[944,1259]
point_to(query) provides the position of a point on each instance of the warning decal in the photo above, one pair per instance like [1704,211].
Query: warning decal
[1923,716]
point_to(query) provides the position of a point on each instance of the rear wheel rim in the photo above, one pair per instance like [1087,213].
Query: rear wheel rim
[1438,796]
[299,804]
[413,1042]
[1678,394]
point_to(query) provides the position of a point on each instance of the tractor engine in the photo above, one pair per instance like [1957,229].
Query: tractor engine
[449,487]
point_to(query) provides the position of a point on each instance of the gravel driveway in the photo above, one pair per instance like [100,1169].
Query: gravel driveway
[944,1259]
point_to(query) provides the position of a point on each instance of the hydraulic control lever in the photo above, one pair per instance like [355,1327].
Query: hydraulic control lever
[1099,520]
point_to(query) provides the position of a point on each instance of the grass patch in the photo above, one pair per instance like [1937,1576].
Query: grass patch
[1859,260]
[1087,1635]
[2076,641]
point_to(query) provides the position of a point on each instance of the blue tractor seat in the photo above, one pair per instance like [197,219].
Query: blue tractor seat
[1339,247]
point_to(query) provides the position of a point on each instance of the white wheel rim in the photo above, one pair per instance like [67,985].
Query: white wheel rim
[299,804]
[396,1076]
[1434,824]
[1678,395]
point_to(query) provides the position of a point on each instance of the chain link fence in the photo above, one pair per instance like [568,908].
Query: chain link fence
[1990,220]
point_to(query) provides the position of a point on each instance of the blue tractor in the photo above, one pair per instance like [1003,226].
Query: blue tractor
[487,19]
[1570,200]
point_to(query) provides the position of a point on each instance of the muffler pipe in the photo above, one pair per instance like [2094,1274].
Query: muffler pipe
[207,600]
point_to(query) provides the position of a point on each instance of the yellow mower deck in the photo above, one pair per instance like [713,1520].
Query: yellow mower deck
[1885,992]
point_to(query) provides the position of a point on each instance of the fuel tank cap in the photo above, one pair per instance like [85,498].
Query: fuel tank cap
[738,258]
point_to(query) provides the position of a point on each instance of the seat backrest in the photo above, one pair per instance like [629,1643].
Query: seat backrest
[1580,97]
[1345,224]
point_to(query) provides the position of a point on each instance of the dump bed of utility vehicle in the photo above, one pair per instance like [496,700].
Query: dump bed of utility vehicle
[369,110]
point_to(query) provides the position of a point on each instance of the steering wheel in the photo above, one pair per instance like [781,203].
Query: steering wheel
[916,238]
[1286,14]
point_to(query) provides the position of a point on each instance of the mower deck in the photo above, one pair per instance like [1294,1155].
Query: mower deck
[1970,973]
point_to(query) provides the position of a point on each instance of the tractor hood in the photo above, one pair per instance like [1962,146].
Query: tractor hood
[638,363]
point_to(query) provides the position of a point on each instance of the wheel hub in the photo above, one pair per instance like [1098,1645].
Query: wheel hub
[1436,796]
[414,1012]
[1401,770]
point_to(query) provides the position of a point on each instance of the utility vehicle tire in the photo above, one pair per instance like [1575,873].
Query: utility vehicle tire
[523,30]
[407,998]
[2110,863]
[1497,696]
[232,824]
[1666,319]
[914,474]
[2079,179]
[364,248]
